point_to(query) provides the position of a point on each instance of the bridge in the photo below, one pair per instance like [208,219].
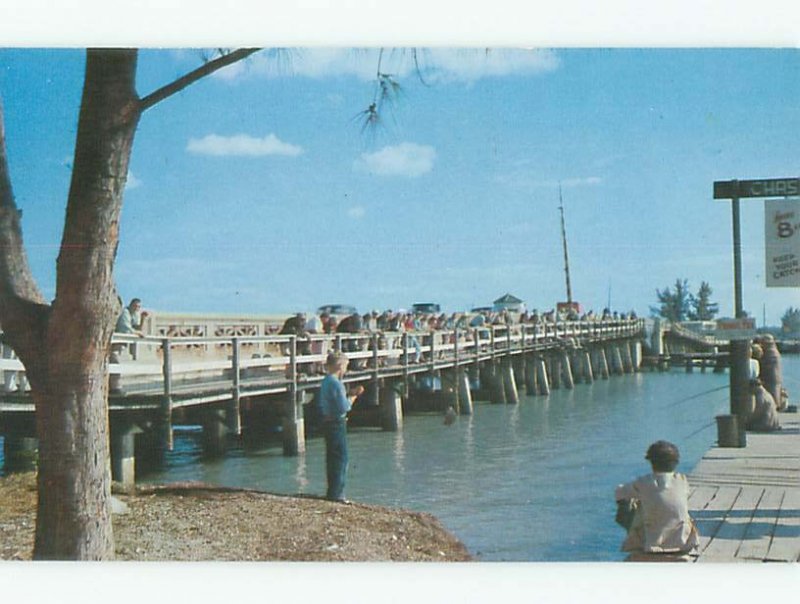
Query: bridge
[234,376]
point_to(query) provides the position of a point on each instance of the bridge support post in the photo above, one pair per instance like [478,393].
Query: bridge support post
[215,431]
[554,371]
[689,364]
[294,427]
[602,362]
[496,384]
[616,362]
[464,394]
[510,383]
[657,338]
[123,453]
[636,355]
[566,371]
[518,363]
[20,453]
[588,374]
[627,358]
[541,376]
[530,376]
[391,409]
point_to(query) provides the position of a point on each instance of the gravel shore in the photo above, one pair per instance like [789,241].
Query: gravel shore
[192,522]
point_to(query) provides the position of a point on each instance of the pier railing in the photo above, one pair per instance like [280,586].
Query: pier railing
[265,364]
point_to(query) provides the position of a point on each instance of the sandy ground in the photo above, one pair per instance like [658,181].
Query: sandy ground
[192,522]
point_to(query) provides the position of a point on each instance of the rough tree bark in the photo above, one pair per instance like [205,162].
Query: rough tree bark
[64,346]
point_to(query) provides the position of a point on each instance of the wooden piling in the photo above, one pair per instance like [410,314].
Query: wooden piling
[740,397]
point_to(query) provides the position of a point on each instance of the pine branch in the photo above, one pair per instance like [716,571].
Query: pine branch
[191,77]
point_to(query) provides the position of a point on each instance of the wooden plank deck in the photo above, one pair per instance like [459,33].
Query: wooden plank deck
[746,502]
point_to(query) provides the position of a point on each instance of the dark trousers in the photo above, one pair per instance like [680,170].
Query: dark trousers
[336,457]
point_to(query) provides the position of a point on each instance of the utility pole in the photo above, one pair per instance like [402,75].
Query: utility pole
[564,241]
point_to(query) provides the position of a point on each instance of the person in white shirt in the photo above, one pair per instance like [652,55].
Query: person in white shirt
[662,523]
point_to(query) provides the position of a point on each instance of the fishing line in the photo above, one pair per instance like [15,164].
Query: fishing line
[683,400]
[700,429]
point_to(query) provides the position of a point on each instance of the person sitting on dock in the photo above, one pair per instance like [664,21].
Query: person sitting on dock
[662,524]
[333,404]
[765,415]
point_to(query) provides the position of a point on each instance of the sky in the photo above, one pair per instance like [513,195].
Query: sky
[257,191]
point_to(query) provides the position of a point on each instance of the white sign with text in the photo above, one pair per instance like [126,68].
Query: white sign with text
[782,239]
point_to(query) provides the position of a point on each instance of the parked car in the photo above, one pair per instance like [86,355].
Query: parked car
[426,308]
[337,310]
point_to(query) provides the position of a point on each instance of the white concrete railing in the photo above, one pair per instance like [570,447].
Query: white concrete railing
[142,359]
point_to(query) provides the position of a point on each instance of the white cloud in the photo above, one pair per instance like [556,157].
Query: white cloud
[435,64]
[241,145]
[405,159]
[132,182]
[356,212]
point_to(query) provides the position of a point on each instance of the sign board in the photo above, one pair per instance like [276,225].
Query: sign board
[736,329]
[748,323]
[766,187]
[782,239]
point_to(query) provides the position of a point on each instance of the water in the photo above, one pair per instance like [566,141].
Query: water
[528,482]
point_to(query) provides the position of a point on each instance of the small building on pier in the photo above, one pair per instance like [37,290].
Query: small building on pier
[509,303]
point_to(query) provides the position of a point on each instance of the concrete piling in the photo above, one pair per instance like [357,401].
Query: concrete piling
[566,372]
[510,384]
[542,380]
[464,394]
[123,453]
[588,374]
[391,409]
[531,388]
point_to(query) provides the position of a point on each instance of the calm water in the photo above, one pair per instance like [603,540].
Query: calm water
[527,482]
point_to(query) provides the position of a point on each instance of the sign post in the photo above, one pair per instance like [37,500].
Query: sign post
[735,190]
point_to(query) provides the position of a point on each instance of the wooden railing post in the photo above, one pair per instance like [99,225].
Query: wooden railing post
[166,401]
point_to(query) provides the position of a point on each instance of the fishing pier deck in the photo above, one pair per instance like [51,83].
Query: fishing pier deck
[746,501]
[244,381]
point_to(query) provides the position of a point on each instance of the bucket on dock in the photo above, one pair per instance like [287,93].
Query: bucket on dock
[729,432]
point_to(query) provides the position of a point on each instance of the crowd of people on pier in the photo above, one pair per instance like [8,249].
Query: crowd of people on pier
[423,329]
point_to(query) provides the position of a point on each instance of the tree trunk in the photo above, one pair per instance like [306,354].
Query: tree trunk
[73,515]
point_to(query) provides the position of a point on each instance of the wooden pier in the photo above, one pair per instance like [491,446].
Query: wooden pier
[241,381]
[746,501]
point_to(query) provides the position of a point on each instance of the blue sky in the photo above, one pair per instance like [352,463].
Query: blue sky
[255,191]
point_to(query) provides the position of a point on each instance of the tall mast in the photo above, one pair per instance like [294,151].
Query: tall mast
[564,241]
